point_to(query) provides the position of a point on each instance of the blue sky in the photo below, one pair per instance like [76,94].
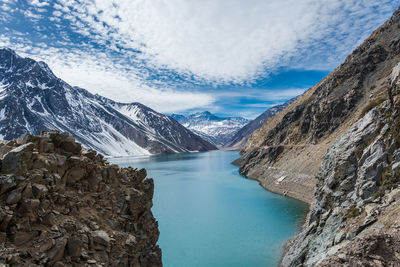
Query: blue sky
[231,57]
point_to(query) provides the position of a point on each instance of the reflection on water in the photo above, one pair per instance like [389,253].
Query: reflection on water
[211,216]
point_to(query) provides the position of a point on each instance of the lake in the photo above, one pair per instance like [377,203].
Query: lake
[209,215]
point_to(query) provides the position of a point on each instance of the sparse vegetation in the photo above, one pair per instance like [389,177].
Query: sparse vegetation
[371,104]
[353,211]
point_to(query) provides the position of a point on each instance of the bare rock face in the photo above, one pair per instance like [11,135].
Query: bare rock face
[296,139]
[354,218]
[64,206]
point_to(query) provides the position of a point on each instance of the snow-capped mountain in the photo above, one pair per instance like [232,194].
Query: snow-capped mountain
[241,136]
[33,99]
[212,128]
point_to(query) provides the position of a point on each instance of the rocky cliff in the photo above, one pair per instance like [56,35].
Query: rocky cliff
[286,152]
[354,219]
[337,147]
[62,205]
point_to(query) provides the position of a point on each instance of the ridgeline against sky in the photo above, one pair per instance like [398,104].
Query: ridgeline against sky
[230,57]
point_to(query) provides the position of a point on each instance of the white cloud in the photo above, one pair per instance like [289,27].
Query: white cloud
[57,13]
[232,40]
[96,73]
[38,3]
[210,40]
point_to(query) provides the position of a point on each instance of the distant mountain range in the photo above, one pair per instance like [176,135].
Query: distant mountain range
[33,99]
[216,130]
[240,138]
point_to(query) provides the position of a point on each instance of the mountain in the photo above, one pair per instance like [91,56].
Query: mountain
[33,99]
[337,147]
[240,138]
[216,130]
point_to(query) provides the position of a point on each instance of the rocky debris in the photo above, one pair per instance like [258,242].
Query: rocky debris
[353,221]
[62,205]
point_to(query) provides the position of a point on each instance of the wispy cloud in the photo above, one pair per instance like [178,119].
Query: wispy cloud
[96,73]
[144,50]
[231,40]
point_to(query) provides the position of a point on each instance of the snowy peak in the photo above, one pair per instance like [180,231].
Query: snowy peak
[33,99]
[216,130]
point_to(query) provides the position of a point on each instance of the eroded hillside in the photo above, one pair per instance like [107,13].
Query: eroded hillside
[286,152]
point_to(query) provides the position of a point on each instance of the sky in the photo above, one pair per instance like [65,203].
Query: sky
[231,57]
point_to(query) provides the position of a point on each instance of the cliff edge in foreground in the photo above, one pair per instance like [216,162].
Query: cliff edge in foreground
[62,205]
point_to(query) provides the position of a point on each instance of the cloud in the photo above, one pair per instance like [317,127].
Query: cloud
[144,50]
[97,74]
[38,3]
[232,40]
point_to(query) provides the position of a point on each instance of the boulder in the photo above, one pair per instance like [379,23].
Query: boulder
[101,237]
[74,246]
[57,252]
[14,197]
[18,159]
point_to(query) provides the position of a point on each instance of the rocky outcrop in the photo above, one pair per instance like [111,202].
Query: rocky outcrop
[354,218]
[62,205]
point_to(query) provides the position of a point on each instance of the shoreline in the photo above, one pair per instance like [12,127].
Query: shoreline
[292,181]
[294,185]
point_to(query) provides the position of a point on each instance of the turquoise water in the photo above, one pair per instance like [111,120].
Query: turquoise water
[210,216]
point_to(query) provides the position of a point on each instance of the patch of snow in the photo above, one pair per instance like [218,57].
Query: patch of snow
[3,91]
[29,84]
[43,86]
[2,114]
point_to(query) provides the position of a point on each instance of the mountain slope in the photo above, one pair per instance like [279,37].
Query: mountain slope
[337,147]
[295,140]
[33,99]
[212,128]
[241,137]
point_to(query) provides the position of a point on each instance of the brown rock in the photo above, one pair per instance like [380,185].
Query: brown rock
[57,252]
[75,175]
[7,182]
[101,237]
[74,246]
[21,237]
[18,159]
[27,193]
[58,208]
[39,190]
[14,197]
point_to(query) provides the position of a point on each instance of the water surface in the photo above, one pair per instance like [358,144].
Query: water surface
[211,216]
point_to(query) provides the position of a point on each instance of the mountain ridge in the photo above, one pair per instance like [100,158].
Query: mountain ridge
[34,99]
[337,148]
[217,130]
[239,140]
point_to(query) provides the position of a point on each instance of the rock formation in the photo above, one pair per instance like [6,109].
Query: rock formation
[62,205]
[293,143]
[337,147]
[354,220]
